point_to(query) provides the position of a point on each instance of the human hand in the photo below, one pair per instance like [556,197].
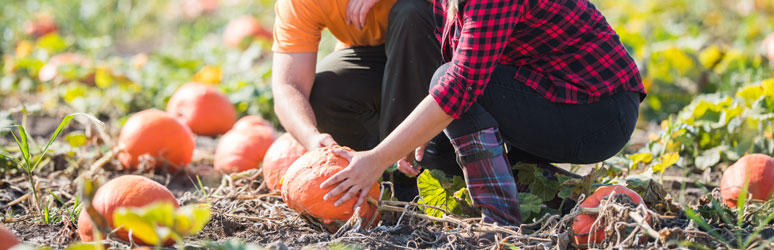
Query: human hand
[320,140]
[356,179]
[357,10]
[405,164]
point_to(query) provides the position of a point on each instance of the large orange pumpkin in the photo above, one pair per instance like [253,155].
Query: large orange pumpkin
[203,108]
[301,189]
[124,191]
[244,27]
[282,153]
[581,226]
[7,239]
[250,122]
[758,169]
[159,134]
[42,25]
[244,146]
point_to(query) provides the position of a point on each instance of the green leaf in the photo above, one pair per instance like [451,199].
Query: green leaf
[24,147]
[76,139]
[130,219]
[708,158]
[85,246]
[667,160]
[750,94]
[52,43]
[640,157]
[59,129]
[542,187]
[525,172]
[191,219]
[437,190]
[103,79]
[529,205]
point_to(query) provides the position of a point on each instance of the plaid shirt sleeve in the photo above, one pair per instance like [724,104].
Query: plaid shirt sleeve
[484,34]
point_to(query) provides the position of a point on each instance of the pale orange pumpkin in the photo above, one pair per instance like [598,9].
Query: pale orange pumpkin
[203,108]
[301,189]
[244,146]
[282,153]
[757,169]
[124,191]
[245,27]
[7,239]
[582,225]
[159,134]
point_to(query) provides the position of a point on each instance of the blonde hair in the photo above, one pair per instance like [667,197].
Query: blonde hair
[451,10]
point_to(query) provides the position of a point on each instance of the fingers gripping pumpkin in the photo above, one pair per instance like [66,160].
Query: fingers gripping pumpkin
[244,146]
[582,225]
[203,108]
[124,191]
[156,133]
[282,153]
[301,189]
[7,239]
[757,169]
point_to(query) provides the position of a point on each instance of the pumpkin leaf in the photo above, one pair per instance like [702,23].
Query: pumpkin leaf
[76,139]
[438,190]
[640,157]
[52,43]
[529,205]
[667,160]
[190,220]
[133,220]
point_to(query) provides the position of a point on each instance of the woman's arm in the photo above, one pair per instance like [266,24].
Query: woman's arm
[365,168]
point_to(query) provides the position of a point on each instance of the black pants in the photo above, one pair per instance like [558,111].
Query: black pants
[360,94]
[537,130]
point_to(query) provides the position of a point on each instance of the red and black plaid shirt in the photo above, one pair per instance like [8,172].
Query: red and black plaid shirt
[564,49]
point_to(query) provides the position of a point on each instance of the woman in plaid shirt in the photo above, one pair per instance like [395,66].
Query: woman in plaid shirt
[550,77]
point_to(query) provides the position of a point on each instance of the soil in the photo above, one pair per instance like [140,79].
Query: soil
[243,210]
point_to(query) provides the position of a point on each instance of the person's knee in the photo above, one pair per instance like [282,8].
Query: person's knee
[410,12]
[438,73]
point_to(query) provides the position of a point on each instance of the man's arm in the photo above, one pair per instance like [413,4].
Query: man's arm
[292,79]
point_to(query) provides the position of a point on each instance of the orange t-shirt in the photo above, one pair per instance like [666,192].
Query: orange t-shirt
[298,24]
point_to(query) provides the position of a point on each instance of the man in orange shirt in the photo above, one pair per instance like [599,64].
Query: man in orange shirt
[357,95]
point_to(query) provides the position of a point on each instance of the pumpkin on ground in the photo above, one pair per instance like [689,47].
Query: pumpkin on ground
[243,147]
[282,153]
[41,25]
[242,28]
[124,191]
[757,169]
[156,133]
[582,225]
[301,189]
[203,108]
[7,239]
[249,122]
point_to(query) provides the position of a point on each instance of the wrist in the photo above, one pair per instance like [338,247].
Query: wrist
[381,163]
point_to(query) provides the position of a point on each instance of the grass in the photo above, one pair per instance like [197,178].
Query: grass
[29,163]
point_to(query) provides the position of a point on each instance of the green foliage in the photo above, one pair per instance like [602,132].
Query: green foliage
[159,222]
[436,189]
[29,163]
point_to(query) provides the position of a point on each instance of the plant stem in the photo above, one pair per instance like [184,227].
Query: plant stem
[35,199]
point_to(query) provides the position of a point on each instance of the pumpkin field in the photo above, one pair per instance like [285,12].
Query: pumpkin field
[128,124]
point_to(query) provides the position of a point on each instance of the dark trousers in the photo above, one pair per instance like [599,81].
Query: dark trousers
[360,94]
[537,130]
